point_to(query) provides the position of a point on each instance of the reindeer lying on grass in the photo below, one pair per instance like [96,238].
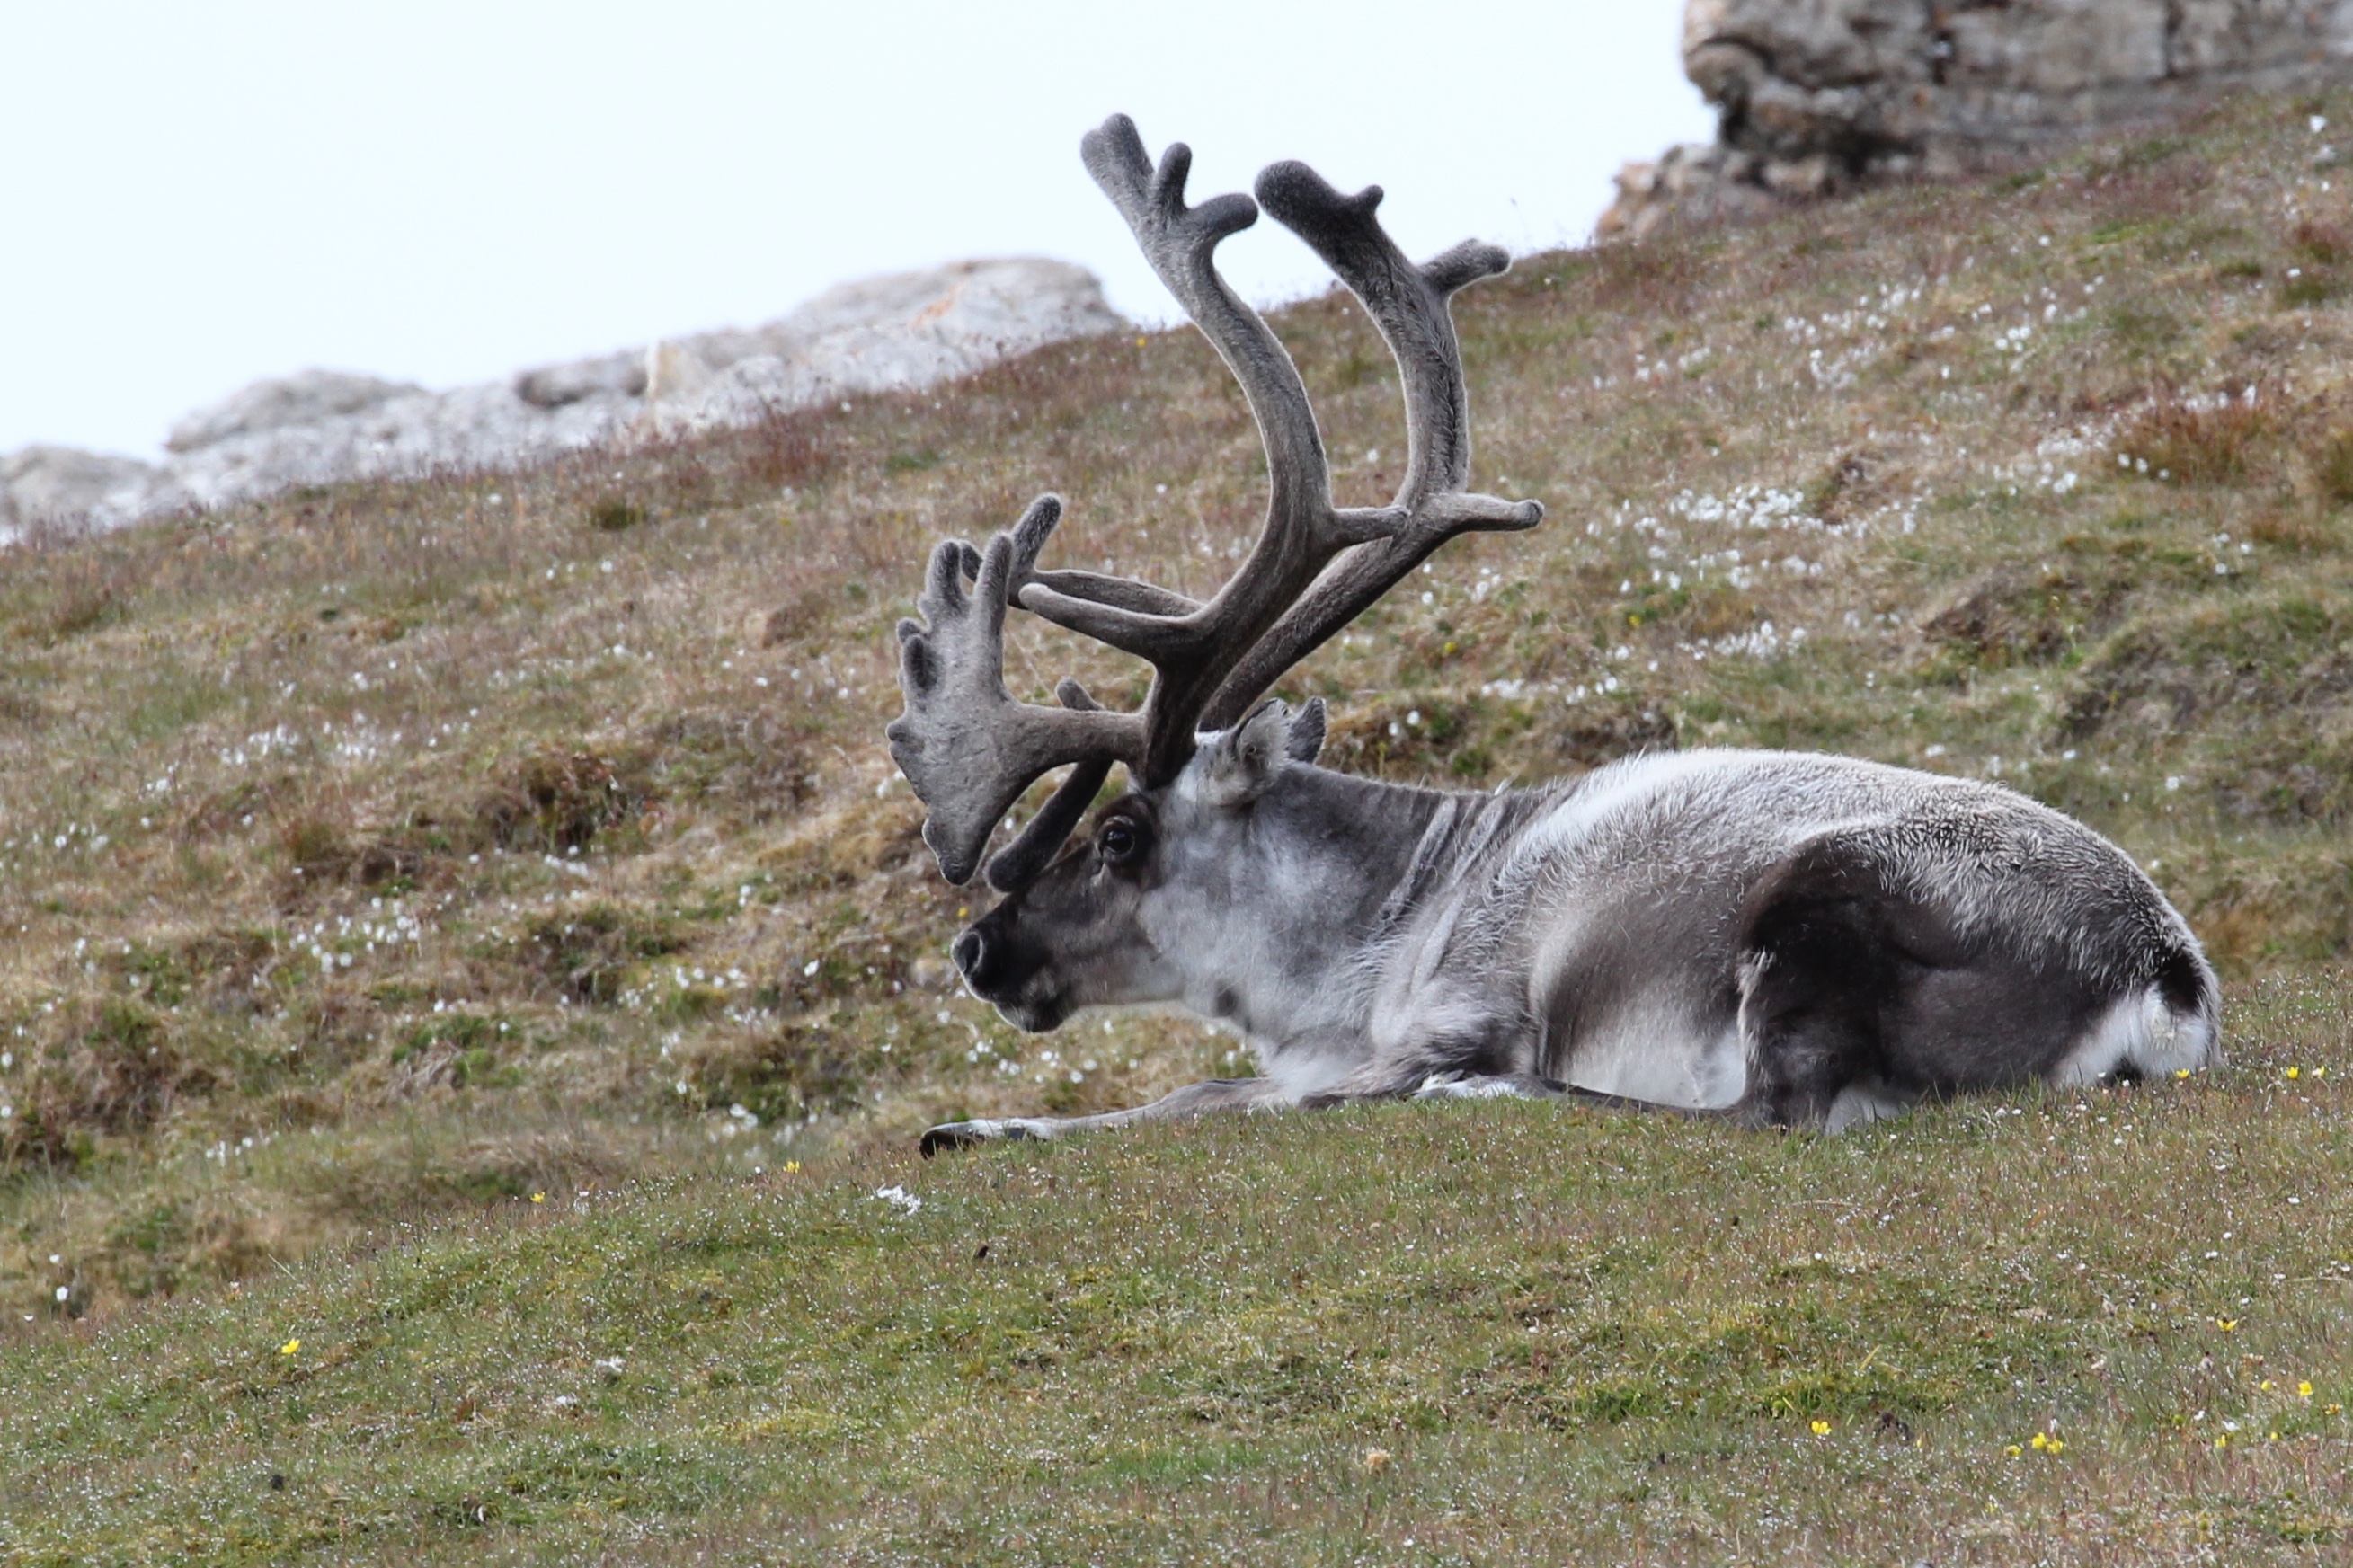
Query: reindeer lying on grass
[1778,938]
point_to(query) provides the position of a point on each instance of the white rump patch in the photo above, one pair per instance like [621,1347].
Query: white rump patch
[2140,1032]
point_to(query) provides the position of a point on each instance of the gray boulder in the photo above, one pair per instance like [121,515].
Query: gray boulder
[905,330]
[1815,97]
[303,398]
[553,386]
[469,429]
[61,487]
[884,335]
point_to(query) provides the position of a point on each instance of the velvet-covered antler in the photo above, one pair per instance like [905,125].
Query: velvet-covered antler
[965,744]
[1191,646]
[970,750]
[1408,305]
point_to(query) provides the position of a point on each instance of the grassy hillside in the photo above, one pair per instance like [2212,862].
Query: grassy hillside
[1409,1335]
[400,878]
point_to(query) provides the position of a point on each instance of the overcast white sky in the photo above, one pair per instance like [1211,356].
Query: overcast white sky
[202,195]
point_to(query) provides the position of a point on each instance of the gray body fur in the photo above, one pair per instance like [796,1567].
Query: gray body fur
[1780,940]
[1628,934]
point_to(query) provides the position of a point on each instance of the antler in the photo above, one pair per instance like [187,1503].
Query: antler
[1191,646]
[970,750]
[1408,305]
[965,744]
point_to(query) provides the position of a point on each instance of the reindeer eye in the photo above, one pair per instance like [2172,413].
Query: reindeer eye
[1120,842]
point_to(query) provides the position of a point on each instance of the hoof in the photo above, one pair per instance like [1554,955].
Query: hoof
[971,1135]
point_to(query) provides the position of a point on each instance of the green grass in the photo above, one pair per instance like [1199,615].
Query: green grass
[376,858]
[1492,1333]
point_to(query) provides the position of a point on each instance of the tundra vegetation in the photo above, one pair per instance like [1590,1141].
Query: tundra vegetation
[473,981]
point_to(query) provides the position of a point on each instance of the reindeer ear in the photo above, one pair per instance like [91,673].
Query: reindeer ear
[1307,731]
[1250,754]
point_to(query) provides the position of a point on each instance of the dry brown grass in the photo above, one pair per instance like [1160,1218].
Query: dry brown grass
[2197,446]
[564,791]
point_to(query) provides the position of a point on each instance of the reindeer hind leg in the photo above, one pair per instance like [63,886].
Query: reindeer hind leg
[1859,999]
[1817,974]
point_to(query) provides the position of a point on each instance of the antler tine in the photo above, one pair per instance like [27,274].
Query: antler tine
[1193,646]
[970,750]
[1181,243]
[966,745]
[1015,866]
[1408,305]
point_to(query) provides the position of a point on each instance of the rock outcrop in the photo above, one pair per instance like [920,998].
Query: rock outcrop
[906,330]
[900,331]
[1819,96]
[50,486]
[303,398]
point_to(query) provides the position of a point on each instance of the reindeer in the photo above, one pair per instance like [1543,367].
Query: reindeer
[1775,939]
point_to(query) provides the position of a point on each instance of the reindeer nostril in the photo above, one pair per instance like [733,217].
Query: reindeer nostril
[971,955]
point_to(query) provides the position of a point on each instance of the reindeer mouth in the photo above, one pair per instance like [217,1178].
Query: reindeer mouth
[995,971]
[1034,1015]
[1036,1006]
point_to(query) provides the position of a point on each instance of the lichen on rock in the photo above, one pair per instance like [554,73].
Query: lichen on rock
[1817,97]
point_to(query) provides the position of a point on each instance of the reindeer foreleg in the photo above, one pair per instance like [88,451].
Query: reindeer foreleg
[1194,1099]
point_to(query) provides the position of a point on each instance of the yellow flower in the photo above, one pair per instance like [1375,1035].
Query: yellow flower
[2303,1391]
[2042,1441]
[1821,1429]
[2181,1072]
[2292,1074]
[539,1197]
[2228,1325]
[792,1167]
[2331,1409]
[2056,1447]
[2265,1385]
[2013,1450]
[2222,1440]
[290,1347]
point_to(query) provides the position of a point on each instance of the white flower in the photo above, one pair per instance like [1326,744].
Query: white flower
[899,1198]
